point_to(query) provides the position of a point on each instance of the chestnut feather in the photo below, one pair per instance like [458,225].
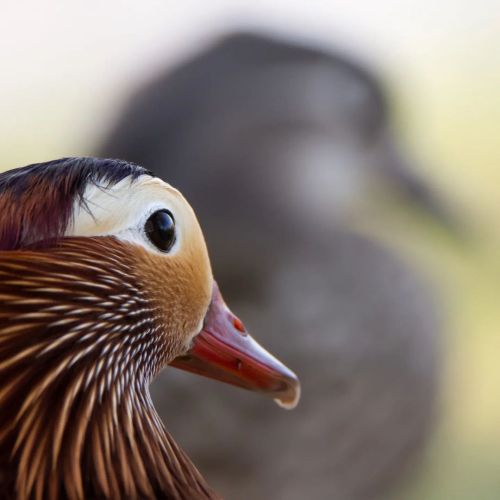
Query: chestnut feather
[79,345]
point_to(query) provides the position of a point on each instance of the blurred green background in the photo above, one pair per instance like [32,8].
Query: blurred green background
[453,127]
[66,68]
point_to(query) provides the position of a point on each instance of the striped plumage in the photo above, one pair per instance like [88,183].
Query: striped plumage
[86,322]
[96,346]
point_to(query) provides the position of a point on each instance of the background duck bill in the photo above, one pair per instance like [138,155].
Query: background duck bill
[224,351]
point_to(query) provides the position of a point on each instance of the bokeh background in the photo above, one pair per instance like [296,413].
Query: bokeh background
[67,69]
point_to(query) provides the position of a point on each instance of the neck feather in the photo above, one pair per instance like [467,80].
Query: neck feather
[79,344]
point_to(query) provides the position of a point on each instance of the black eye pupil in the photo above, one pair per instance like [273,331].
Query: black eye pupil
[160,229]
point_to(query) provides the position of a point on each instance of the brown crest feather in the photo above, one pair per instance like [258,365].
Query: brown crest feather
[37,201]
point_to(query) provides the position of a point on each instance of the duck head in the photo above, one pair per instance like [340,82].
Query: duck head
[172,260]
[106,279]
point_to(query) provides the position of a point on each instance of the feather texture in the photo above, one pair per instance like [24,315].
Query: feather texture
[80,340]
[37,201]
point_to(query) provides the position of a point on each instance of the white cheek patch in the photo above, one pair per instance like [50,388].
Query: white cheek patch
[123,209]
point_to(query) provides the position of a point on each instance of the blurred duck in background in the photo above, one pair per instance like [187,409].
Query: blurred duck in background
[276,144]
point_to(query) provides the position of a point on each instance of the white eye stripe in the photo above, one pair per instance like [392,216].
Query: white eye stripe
[123,210]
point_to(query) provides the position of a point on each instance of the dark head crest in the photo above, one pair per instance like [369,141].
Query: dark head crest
[36,201]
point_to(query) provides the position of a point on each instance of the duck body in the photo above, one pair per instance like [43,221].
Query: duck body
[93,304]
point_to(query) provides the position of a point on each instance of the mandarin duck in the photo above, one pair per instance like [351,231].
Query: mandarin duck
[104,280]
[289,140]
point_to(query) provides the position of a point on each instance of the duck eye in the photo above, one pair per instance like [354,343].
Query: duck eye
[160,229]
